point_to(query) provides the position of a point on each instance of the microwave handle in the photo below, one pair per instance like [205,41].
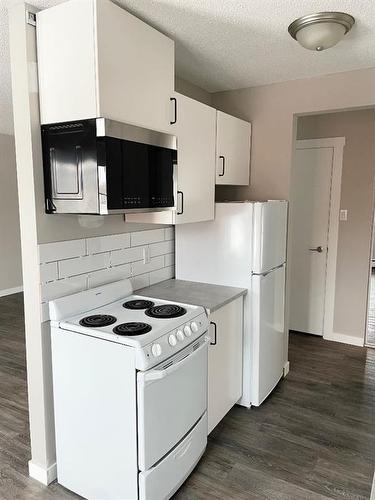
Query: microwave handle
[160,374]
[182,203]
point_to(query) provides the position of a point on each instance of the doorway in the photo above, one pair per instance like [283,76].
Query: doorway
[315,206]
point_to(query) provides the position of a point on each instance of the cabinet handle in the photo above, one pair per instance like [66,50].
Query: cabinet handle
[174,100]
[215,327]
[223,172]
[182,203]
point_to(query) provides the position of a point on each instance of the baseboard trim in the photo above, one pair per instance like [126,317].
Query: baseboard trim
[11,291]
[44,476]
[286,369]
[344,339]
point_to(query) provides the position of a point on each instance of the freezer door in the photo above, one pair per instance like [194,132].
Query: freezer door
[268,333]
[217,251]
[269,235]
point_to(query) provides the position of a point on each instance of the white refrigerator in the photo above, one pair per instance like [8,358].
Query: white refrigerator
[245,246]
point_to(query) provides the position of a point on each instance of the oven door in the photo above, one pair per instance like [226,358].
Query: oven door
[171,398]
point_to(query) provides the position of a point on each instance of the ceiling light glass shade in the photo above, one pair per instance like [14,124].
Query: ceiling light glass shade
[320,36]
[321,31]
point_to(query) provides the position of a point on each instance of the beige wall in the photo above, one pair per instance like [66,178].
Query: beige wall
[354,244]
[271,109]
[190,90]
[10,246]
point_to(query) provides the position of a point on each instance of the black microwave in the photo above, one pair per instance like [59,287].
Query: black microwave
[100,166]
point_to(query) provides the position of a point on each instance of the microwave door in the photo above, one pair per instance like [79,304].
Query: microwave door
[161,178]
[136,182]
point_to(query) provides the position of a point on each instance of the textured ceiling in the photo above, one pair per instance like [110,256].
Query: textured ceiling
[227,44]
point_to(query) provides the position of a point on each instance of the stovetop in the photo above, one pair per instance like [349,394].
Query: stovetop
[134,321]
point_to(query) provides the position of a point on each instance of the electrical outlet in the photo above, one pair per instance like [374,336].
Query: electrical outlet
[343,215]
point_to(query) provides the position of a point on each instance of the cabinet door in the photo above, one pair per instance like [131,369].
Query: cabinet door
[233,150]
[225,360]
[195,130]
[95,59]
[135,69]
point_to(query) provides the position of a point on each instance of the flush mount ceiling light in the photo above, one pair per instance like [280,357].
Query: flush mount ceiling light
[322,30]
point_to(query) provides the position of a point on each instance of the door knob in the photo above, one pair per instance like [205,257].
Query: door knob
[317,249]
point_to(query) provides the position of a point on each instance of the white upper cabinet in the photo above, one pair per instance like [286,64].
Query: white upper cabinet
[95,59]
[195,129]
[233,150]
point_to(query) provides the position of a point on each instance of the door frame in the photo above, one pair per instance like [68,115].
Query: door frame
[337,144]
[366,343]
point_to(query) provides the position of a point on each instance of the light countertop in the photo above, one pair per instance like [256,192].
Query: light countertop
[211,297]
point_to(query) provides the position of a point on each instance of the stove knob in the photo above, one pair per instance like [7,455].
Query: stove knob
[194,327]
[172,340]
[180,335]
[156,350]
[187,330]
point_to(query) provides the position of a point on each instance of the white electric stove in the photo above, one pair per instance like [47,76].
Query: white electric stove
[130,392]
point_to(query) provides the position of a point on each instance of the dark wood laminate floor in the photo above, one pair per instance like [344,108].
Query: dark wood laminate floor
[313,439]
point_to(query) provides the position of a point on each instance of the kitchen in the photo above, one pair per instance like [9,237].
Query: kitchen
[69,254]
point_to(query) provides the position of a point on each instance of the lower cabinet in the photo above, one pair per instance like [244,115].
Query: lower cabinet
[225,360]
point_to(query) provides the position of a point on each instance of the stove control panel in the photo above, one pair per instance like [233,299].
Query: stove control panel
[172,342]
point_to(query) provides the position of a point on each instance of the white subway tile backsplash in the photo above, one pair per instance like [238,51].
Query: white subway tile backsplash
[141,268]
[140,281]
[59,288]
[169,260]
[52,252]
[169,233]
[107,243]
[161,275]
[109,275]
[71,266]
[48,272]
[81,265]
[145,237]
[128,255]
[162,248]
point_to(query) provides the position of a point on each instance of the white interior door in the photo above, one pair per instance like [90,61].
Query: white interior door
[310,224]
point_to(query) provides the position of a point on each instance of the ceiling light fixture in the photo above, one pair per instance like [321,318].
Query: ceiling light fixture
[322,30]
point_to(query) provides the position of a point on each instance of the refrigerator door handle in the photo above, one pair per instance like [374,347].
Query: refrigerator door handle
[266,273]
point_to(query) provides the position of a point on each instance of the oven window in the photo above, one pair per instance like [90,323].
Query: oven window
[147,176]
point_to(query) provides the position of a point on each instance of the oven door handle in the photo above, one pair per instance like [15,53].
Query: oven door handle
[159,374]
